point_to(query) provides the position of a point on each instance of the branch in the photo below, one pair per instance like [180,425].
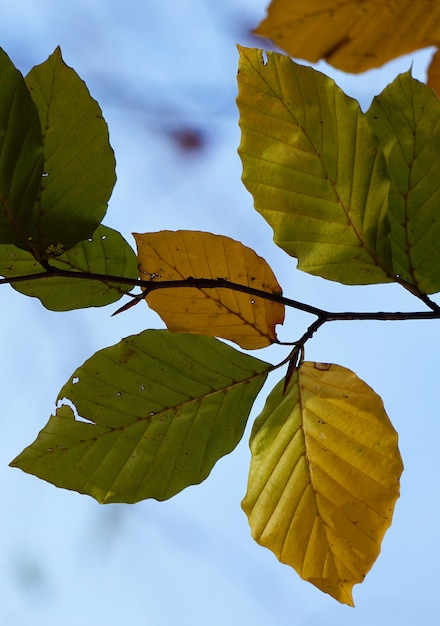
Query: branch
[148,286]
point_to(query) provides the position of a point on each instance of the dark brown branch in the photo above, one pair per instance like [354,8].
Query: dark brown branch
[220,283]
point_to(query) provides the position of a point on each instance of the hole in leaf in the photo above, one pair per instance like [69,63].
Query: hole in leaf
[79,418]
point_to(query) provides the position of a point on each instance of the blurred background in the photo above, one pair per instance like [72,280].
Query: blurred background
[164,74]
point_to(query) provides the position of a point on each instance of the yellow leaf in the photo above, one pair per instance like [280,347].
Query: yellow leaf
[176,255]
[355,35]
[434,73]
[324,477]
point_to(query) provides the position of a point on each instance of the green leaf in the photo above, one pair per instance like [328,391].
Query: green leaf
[152,415]
[79,161]
[405,119]
[106,252]
[324,477]
[314,168]
[21,155]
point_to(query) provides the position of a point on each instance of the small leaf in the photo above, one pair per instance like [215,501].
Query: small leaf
[247,320]
[79,161]
[324,477]
[315,169]
[21,155]
[106,252]
[153,414]
[353,36]
[405,119]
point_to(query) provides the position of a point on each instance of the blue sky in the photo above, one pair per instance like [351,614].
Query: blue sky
[157,68]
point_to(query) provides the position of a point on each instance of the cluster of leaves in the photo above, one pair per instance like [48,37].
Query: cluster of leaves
[351,196]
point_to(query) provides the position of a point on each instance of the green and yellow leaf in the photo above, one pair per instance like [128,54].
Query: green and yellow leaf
[405,119]
[79,161]
[324,477]
[354,35]
[105,252]
[21,156]
[175,255]
[151,416]
[314,168]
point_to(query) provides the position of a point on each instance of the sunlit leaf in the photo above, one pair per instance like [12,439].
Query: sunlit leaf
[433,78]
[79,162]
[151,416]
[21,155]
[324,477]
[405,118]
[354,35]
[106,252]
[175,255]
[314,168]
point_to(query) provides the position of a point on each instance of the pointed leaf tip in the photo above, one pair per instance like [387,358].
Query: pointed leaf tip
[324,477]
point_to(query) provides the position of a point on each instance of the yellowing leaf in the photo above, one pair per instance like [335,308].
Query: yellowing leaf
[248,321]
[354,35]
[324,477]
[315,169]
[405,119]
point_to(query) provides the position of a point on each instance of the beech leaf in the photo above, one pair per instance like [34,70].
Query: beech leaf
[105,252]
[78,160]
[315,169]
[246,320]
[147,417]
[324,477]
[405,119]
[21,156]
[353,35]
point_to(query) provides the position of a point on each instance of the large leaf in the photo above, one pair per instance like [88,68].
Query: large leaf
[247,320]
[324,477]
[79,161]
[151,416]
[405,118]
[21,155]
[354,35]
[315,169]
[106,252]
